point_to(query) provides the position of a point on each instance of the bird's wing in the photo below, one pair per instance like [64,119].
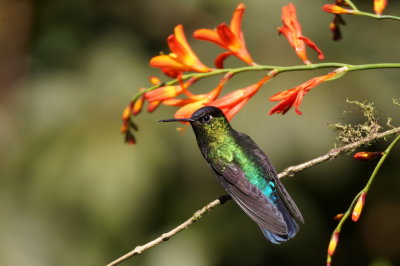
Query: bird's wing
[250,199]
[287,200]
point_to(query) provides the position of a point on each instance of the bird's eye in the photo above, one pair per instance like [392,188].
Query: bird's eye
[207,118]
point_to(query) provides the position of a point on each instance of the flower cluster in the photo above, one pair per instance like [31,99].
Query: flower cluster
[181,59]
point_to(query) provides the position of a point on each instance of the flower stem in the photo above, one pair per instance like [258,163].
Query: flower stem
[277,69]
[364,190]
[353,6]
[371,15]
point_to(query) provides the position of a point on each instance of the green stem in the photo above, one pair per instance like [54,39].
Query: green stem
[278,69]
[353,6]
[371,15]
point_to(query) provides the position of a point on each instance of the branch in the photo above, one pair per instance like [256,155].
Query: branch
[291,170]
[333,153]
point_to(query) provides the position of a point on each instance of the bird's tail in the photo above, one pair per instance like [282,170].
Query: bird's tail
[292,226]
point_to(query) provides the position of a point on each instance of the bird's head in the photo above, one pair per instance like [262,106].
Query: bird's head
[208,121]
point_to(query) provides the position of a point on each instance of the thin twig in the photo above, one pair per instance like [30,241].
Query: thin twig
[164,237]
[287,172]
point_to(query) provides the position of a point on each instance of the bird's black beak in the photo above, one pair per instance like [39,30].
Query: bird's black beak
[177,120]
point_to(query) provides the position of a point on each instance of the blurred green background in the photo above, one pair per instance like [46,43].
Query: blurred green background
[72,193]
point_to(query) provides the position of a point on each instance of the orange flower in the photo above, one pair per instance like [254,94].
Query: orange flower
[294,97]
[230,38]
[181,59]
[358,208]
[379,6]
[335,9]
[168,92]
[333,243]
[194,102]
[367,156]
[292,30]
[233,102]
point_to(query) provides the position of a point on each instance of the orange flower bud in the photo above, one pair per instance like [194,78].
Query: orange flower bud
[333,243]
[328,261]
[379,6]
[358,208]
[154,80]
[338,217]
[124,128]
[137,106]
[334,9]
[367,156]
[126,113]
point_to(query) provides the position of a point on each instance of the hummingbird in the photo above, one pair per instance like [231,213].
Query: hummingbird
[246,173]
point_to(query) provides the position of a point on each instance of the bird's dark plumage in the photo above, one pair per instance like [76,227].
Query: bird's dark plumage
[246,173]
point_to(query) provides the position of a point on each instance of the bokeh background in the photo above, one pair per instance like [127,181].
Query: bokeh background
[72,193]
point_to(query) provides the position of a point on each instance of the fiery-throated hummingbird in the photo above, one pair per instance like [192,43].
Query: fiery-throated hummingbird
[246,173]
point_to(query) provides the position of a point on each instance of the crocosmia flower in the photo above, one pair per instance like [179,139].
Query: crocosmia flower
[181,59]
[195,101]
[294,97]
[291,29]
[233,102]
[367,155]
[230,38]
[379,6]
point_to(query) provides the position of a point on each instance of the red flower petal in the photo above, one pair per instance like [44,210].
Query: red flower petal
[313,46]
[208,35]
[219,61]
[236,21]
